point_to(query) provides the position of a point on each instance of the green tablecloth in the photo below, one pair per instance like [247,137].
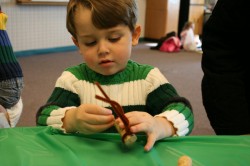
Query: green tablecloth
[42,146]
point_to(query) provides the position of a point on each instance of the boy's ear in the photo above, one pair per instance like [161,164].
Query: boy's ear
[75,41]
[136,35]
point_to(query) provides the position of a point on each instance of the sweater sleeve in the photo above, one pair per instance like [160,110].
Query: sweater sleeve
[163,100]
[180,116]
[62,99]
[52,116]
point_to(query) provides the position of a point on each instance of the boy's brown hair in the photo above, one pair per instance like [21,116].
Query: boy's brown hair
[105,13]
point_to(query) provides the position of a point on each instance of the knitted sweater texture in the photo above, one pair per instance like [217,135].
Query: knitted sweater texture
[137,88]
[9,66]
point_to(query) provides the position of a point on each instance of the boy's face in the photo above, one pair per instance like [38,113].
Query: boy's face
[106,51]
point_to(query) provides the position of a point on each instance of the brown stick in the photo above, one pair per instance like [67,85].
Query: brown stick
[127,136]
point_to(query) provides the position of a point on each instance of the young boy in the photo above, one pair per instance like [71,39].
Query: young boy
[11,79]
[104,32]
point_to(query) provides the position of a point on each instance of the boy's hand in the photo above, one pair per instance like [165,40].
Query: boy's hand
[88,119]
[155,128]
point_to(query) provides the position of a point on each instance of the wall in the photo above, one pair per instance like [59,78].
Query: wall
[32,27]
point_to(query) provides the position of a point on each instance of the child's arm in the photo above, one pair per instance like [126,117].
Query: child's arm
[181,117]
[62,99]
[4,118]
[167,113]
[167,124]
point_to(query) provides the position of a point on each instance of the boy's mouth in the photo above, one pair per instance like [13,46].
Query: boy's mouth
[105,61]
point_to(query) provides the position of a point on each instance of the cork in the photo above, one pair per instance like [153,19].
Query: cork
[128,140]
[184,161]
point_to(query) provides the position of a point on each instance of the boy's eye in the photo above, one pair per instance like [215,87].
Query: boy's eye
[90,43]
[114,39]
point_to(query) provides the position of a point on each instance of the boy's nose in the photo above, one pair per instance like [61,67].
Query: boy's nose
[103,48]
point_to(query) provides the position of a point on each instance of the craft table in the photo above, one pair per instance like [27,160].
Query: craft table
[44,146]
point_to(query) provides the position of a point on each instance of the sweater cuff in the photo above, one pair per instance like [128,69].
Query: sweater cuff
[56,116]
[178,120]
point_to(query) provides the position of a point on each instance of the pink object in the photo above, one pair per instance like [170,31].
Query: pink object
[172,44]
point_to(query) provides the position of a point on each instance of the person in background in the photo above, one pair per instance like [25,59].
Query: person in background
[189,41]
[105,34]
[169,43]
[225,83]
[162,39]
[11,79]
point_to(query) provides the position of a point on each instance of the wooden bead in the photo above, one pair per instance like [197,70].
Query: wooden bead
[185,161]
[129,139]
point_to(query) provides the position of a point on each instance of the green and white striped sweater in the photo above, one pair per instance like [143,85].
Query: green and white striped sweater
[137,88]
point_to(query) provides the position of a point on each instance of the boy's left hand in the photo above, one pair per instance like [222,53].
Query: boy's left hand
[155,128]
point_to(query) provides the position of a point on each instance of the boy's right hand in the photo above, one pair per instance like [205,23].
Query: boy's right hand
[88,119]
